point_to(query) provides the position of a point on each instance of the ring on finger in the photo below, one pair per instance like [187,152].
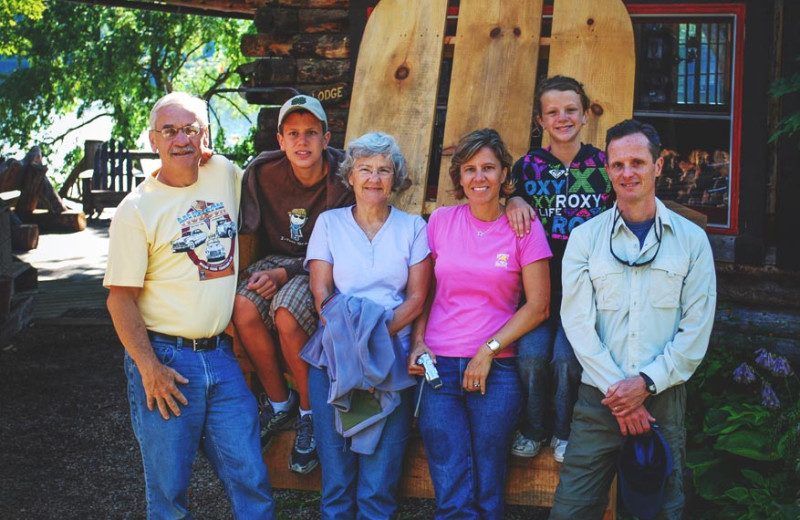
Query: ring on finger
[476,385]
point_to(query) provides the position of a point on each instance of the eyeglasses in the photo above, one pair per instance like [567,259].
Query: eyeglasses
[170,132]
[658,230]
[365,171]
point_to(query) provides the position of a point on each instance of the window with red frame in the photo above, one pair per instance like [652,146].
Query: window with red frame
[688,77]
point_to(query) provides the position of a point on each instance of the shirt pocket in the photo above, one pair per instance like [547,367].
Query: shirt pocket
[608,280]
[666,281]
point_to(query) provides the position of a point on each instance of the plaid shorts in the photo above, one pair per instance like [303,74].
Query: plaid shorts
[295,296]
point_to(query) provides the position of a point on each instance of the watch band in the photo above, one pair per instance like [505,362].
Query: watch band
[649,385]
[327,300]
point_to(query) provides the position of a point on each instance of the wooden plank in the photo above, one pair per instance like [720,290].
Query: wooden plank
[20,315]
[395,84]
[64,221]
[493,77]
[25,276]
[25,237]
[10,176]
[593,43]
[688,213]
[530,482]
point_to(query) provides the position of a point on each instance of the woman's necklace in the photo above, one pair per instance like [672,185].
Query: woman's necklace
[490,225]
[371,229]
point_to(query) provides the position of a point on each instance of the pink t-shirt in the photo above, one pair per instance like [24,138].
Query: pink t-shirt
[478,278]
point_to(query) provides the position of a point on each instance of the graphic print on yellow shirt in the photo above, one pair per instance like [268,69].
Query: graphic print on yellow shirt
[208,237]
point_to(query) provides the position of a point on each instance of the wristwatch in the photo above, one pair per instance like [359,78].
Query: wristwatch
[649,385]
[493,345]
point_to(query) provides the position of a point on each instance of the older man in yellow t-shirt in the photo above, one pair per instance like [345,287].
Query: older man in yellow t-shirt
[171,273]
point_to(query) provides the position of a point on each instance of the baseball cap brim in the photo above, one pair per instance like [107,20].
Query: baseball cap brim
[303,102]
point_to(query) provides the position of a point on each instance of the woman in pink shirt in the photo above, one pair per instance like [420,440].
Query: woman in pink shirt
[471,321]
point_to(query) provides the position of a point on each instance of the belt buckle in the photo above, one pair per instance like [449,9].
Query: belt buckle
[205,344]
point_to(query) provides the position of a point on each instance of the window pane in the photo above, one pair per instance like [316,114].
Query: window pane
[683,88]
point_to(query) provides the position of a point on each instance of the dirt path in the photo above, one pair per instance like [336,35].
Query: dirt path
[67,450]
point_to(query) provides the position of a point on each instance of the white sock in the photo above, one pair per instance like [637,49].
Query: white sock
[303,413]
[283,406]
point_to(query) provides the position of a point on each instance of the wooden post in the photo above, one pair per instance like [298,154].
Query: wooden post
[32,182]
[9,175]
[90,147]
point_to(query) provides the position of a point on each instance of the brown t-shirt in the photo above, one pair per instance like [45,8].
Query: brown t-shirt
[286,209]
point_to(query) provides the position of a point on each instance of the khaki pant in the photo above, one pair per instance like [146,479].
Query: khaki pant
[594,443]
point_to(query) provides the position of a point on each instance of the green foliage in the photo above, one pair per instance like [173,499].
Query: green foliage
[744,450]
[240,152]
[790,124]
[120,60]
[13,42]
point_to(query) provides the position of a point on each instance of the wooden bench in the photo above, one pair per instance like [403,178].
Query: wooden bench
[25,186]
[530,482]
[492,72]
[112,177]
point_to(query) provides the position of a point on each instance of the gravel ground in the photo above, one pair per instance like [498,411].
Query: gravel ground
[67,448]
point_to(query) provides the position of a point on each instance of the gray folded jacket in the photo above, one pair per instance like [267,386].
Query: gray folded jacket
[357,352]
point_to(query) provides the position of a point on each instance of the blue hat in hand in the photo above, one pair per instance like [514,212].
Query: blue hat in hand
[644,464]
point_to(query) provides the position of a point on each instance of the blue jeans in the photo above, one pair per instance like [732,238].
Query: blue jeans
[356,486]
[221,417]
[545,356]
[468,437]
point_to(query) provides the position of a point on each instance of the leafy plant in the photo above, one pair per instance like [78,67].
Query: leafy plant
[790,124]
[11,12]
[745,454]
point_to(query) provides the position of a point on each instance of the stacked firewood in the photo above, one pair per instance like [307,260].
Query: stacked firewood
[301,45]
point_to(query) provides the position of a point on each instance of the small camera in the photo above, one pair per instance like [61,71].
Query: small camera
[431,374]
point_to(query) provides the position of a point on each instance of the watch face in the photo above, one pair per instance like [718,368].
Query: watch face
[493,345]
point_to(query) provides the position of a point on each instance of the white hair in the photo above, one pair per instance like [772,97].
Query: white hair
[369,145]
[191,103]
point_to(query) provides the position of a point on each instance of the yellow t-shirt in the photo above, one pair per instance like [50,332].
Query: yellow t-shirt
[180,246]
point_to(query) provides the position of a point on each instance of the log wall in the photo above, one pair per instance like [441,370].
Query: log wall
[305,45]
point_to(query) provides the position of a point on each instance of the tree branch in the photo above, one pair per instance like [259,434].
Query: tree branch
[236,107]
[186,57]
[63,135]
[220,80]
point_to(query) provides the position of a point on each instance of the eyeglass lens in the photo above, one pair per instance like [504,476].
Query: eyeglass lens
[169,132]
